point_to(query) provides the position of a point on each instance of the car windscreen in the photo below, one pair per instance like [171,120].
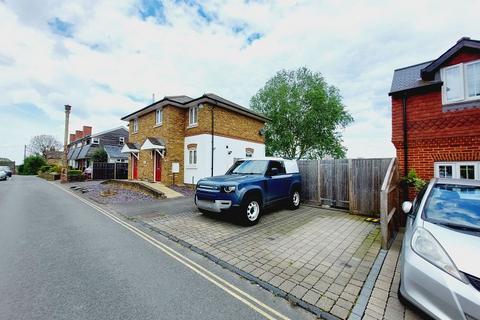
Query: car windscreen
[454,205]
[251,167]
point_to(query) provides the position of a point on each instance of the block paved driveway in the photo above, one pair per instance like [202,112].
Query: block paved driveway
[320,256]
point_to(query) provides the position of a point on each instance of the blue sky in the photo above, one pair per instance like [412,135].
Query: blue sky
[107,58]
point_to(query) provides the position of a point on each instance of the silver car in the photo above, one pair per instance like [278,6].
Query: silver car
[3,175]
[440,260]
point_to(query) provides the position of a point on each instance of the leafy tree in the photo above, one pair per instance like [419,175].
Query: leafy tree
[306,115]
[32,165]
[100,155]
[43,143]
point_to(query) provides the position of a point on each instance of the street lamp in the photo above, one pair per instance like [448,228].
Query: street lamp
[64,177]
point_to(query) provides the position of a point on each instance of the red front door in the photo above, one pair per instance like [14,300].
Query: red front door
[158,167]
[135,167]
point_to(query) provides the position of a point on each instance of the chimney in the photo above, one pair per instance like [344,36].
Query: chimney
[72,137]
[78,134]
[87,131]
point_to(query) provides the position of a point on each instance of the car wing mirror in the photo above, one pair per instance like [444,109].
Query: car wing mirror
[407,207]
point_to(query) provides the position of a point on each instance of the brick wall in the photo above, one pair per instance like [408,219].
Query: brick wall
[433,134]
[227,123]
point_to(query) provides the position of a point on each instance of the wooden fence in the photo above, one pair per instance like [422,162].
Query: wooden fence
[104,170]
[391,218]
[351,184]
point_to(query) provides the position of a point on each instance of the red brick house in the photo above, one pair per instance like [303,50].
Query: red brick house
[436,114]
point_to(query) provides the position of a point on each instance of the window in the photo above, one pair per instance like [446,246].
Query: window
[461,82]
[458,170]
[277,165]
[192,156]
[472,76]
[135,125]
[95,140]
[249,152]
[193,116]
[158,116]
[121,140]
[445,171]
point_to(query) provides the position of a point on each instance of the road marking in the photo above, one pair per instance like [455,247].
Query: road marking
[234,291]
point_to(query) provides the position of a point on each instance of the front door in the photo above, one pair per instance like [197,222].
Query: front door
[134,167]
[158,167]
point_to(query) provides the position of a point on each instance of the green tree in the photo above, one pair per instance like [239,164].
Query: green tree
[307,115]
[100,155]
[32,165]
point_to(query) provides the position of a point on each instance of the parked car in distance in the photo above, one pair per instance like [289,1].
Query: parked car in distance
[440,259]
[7,170]
[249,186]
[3,175]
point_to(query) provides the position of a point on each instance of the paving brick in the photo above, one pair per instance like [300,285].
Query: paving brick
[339,312]
[311,297]
[325,303]
[299,291]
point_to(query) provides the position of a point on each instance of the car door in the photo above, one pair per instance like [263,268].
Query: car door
[277,181]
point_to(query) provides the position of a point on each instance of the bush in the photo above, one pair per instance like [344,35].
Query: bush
[100,155]
[412,180]
[45,168]
[74,173]
[32,165]
[20,169]
[56,168]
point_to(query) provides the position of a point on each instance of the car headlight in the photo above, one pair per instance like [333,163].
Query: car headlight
[427,247]
[229,189]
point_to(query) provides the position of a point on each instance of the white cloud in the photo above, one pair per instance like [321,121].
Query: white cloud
[113,57]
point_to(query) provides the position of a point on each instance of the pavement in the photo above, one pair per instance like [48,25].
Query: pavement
[315,257]
[63,259]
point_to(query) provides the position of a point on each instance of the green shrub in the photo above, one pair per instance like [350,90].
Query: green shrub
[45,168]
[32,165]
[20,169]
[56,168]
[74,173]
[100,155]
[412,180]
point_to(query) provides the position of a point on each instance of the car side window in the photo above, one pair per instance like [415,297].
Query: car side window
[279,165]
[418,200]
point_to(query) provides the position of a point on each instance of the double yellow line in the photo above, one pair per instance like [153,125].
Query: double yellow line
[234,291]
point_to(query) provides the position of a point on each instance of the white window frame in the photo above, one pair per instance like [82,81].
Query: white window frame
[95,140]
[463,85]
[135,125]
[158,119]
[193,116]
[192,157]
[465,80]
[456,168]
[121,140]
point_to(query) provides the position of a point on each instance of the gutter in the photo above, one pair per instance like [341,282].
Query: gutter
[213,141]
[405,141]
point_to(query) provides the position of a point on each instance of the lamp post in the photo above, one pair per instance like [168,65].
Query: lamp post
[64,177]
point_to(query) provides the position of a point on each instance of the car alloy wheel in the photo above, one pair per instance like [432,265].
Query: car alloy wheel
[253,210]
[296,199]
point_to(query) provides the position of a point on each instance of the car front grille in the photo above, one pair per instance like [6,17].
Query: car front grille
[473,280]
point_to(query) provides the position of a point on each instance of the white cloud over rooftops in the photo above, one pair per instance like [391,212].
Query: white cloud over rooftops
[106,58]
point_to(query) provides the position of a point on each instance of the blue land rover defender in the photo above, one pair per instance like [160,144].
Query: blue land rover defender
[249,186]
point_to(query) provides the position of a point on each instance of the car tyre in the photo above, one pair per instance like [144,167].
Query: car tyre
[294,200]
[250,210]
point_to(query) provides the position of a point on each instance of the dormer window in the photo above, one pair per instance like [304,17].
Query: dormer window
[95,140]
[461,82]
[121,140]
[158,116]
[193,116]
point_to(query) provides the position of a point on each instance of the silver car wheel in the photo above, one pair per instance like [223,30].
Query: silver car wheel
[253,209]
[296,198]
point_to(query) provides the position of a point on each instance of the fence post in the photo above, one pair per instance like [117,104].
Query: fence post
[319,193]
[114,171]
[350,187]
